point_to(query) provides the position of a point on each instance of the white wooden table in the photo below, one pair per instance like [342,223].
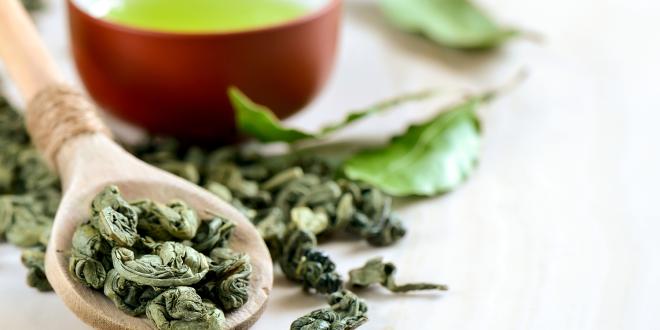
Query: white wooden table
[558,229]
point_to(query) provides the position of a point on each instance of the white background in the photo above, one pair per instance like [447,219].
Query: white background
[559,227]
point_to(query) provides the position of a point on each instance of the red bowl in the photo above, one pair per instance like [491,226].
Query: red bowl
[176,84]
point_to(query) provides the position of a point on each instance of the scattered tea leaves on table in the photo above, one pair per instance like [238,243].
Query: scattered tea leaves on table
[292,199]
[428,159]
[450,23]
[29,195]
[375,271]
[33,260]
[261,123]
[302,262]
[347,311]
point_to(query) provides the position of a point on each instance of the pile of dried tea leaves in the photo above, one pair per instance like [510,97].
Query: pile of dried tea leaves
[161,260]
[29,195]
[293,200]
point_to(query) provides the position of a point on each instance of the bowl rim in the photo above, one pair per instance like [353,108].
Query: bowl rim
[313,15]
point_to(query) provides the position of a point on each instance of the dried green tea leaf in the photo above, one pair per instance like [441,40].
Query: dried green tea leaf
[306,219]
[87,256]
[181,308]
[152,223]
[282,178]
[166,221]
[220,190]
[272,226]
[130,297]
[30,194]
[450,23]
[261,123]
[183,169]
[345,210]
[296,245]
[321,194]
[347,311]
[375,271]
[229,279]
[88,242]
[428,159]
[174,264]
[34,173]
[317,272]
[229,175]
[213,233]
[89,271]
[25,225]
[115,218]
[386,232]
[302,262]
[366,211]
[33,260]
[186,225]
[288,197]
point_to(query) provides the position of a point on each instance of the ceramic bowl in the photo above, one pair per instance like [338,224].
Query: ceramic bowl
[176,83]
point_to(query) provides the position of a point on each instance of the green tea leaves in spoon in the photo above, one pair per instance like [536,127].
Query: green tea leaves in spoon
[114,217]
[450,23]
[182,308]
[261,123]
[428,159]
[229,278]
[174,264]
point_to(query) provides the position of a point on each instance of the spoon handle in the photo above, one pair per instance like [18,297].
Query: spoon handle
[55,113]
[25,56]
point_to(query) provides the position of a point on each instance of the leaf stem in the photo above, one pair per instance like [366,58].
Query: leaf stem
[380,107]
[507,86]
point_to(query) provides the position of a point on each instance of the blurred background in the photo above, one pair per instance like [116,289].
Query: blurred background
[556,230]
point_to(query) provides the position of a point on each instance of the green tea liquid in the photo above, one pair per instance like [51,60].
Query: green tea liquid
[203,15]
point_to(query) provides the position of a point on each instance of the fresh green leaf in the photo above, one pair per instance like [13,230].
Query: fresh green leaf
[259,122]
[428,159]
[450,23]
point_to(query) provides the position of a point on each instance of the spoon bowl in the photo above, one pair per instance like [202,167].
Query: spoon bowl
[137,180]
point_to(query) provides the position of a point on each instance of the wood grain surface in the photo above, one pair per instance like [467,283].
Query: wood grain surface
[556,230]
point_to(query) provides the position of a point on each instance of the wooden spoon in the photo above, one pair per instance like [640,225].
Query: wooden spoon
[74,141]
